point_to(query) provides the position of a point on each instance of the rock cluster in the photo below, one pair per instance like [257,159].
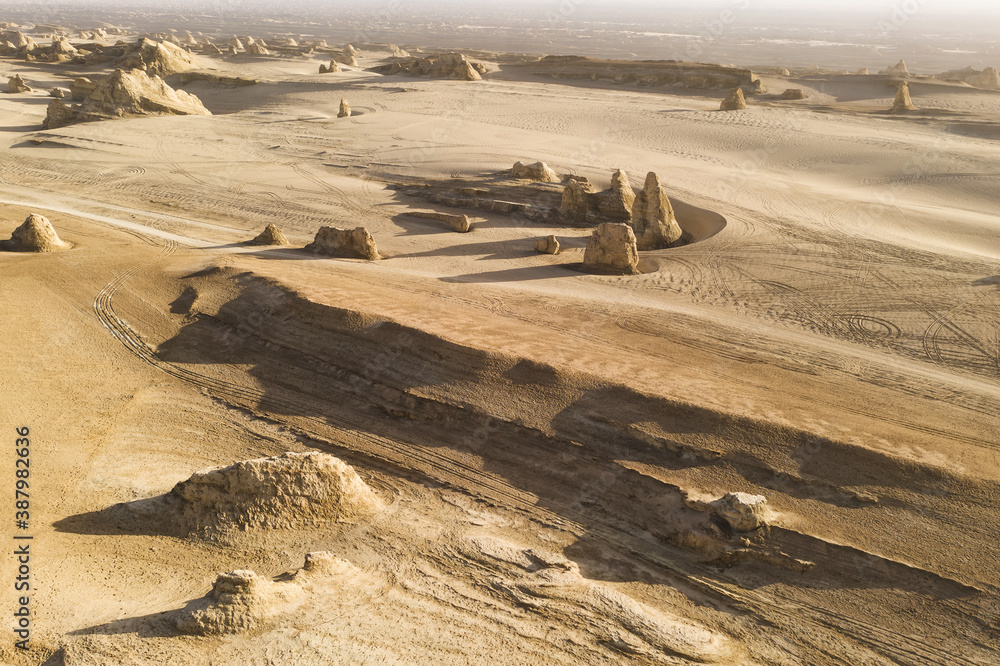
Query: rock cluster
[125,94]
[902,103]
[547,245]
[539,171]
[612,250]
[16,84]
[271,235]
[988,79]
[332,68]
[445,66]
[356,243]
[735,101]
[35,234]
[293,490]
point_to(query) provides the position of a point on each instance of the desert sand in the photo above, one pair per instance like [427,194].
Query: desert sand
[775,443]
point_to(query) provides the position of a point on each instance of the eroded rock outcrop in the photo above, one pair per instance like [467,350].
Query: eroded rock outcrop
[123,95]
[902,103]
[81,88]
[459,223]
[345,109]
[539,171]
[617,202]
[899,69]
[735,101]
[36,234]
[257,49]
[271,235]
[157,58]
[742,511]
[16,84]
[988,79]
[547,245]
[332,68]
[334,242]
[612,250]
[290,491]
[793,93]
[445,66]
[575,205]
[653,217]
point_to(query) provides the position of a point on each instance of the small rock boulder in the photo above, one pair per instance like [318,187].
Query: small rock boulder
[612,250]
[653,217]
[271,235]
[744,512]
[547,245]
[539,171]
[902,103]
[793,93]
[345,109]
[58,93]
[36,234]
[459,223]
[735,101]
[16,84]
[356,243]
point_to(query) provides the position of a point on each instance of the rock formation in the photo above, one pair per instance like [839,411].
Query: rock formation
[126,94]
[445,66]
[81,88]
[332,68]
[398,52]
[538,171]
[547,245]
[157,58]
[640,72]
[271,235]
[345,109]
[236,43]
[334,242]
[616,203]
[575,205]
[902,103]
[743,512]
[653,217]
[349,61]
[863,71]
[988,79]
[290,491]
[36,234]
[612,250]
[459,223]
[58,93]
[257,49]
[899,69]
[793,93]
[735,101]
[16,84]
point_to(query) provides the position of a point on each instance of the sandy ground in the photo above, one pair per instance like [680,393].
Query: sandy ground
[539,435]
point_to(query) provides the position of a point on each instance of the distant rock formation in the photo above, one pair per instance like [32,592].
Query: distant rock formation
[125,94]
[547,245]
[575,204]
[350,51]
[743,512]
[293,490]
[640,72]
[16,84]
[445,66]
[755,87]
[271,235]
[157,58]
[653,217]
[988,79]
[398,52]
[459,223]
[735,101]
[211,49]
[793,93]
[236,43]
[257,49]
[863,72]
[616,203]
[612,250]
[899,69]
[902,103]
[35,234]
[345,109]
[332,68]
[539,171]
[334,242]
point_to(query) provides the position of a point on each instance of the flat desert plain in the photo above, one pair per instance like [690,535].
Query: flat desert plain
[776,443]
